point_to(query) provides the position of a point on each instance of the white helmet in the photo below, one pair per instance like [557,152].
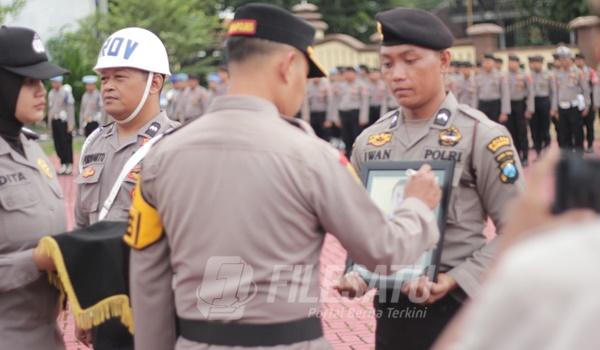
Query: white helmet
[564,52]
[134,48]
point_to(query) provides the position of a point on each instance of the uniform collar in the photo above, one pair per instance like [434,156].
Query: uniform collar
[243,102]
[16,156]
[149,130]
[448,108]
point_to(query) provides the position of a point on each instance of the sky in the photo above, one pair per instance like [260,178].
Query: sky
[47,17]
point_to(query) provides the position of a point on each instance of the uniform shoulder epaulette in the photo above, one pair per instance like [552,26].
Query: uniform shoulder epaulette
[387,116]
[474,114]
[30,134]
[107,124]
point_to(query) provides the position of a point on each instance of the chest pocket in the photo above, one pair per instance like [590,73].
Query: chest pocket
[89,187]
[20,211]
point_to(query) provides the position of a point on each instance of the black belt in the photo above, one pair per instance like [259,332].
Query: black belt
[249,335]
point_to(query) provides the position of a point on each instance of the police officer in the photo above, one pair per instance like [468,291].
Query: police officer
[90,111]
[491,91]
[132,75]
[571,101]
[542,82]
[432,125]
[498,63]
[589,118]
[217,254]
[195,100]
[31,199]
[318,106]
[353,106]
[176,96]
[377,93]
[465,84]
[61,117]
[521,106]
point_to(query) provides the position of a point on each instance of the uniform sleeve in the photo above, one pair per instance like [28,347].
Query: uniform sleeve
[151,290]
[346,211]
[499,179]
[363,116]
[504,95]
[17,270]
[554,103]
[530,95]
[81,109]
[70,106]
[305,111]
[475,101]
[81,219]
[585,86]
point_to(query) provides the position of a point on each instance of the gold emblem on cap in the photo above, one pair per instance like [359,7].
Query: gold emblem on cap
[44,168]
[242,27]
[379,30]
[310,52]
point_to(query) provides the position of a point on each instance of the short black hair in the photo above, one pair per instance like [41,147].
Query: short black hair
[239,49]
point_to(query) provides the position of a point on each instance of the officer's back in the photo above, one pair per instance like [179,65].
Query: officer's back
[234,254]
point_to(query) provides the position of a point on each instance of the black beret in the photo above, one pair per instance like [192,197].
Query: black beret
[580,56]
[498,59]
[489,56]
[273,23]
[514,58]
[467,64]
[555,56]
[536,58]
[414,27]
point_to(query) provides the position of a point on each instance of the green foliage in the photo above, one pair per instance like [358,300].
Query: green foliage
[11,9]
[556,10]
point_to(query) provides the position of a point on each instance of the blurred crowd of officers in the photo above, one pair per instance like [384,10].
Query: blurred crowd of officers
[565,92]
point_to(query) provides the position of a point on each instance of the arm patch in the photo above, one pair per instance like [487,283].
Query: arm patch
[145,227]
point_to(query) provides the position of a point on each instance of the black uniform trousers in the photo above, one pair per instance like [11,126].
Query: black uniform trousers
[570,129]
[588,123]
[491,109]
[540,124]
[350,128]
[317,119]
[63,141]
[374,114]
[112,335]
[408,326]
[89,128]
[517,126]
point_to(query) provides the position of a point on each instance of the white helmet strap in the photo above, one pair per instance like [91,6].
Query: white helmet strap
[142,101]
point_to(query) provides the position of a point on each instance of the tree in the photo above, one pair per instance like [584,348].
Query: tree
[555,10]
[11,9]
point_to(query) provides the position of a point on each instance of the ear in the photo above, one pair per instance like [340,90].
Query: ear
[286,65]
[445,59]
[157,83]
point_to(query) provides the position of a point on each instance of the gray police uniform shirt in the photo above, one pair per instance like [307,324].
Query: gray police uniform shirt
[91,108]
[465,90]
[543,83]
[61,106]
[492,86]
[377,92]
[194,102]
[487,176]
[265,193]
[521,89]
[319,98]
[567,85]
[31,206]
[353,96]
[102,162]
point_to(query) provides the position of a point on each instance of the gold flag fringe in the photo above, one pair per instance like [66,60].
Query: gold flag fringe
[113,306]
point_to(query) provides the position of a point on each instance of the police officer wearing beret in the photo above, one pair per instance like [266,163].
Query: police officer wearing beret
[208,253]
[431,125]
[543,83]
[31,199]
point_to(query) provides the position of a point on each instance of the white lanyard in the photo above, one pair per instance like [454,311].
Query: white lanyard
[129,165]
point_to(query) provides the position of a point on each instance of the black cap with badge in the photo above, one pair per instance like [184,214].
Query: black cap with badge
[23,53]
[268,22]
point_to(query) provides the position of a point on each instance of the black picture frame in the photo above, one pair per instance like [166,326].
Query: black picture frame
[379,190]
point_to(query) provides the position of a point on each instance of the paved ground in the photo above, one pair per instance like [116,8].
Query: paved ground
[348,324]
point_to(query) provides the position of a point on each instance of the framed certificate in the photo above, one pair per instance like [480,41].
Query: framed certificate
[385,182]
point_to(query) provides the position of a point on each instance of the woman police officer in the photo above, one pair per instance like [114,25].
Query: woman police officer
[31,200]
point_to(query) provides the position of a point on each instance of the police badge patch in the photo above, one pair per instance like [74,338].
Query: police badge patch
[450,137]
[380,139]
[508,171]
[442,117]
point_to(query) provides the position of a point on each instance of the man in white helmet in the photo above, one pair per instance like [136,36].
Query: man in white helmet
[132,65]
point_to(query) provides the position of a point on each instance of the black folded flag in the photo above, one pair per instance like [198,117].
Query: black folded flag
[92,271]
